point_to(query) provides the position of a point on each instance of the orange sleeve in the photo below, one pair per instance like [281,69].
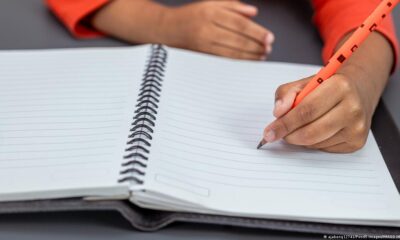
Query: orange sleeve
[336,18]
[72,12]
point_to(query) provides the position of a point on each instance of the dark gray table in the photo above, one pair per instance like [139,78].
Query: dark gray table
[27,24]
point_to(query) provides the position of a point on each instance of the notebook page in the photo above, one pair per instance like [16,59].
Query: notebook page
[211,118]
[64,120]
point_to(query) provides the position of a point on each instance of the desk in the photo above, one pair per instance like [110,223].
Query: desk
[27,24]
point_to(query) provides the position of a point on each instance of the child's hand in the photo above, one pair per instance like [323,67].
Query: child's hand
[336,117]
[222,28]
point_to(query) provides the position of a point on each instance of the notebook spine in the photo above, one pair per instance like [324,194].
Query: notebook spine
[144,120]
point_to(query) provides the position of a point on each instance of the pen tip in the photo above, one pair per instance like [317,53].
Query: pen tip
[262,143]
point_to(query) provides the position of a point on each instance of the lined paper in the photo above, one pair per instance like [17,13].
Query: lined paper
[211,118]
[64,120]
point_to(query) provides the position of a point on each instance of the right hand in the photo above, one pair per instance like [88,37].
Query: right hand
[221,28]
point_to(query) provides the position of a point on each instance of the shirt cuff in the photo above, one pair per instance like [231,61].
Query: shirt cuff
[336,20]
[72,13]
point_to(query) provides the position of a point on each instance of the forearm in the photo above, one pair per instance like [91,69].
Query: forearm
[135,21]
[369,67]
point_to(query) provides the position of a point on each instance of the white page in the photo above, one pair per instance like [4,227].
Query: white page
[211,119]
[64,120]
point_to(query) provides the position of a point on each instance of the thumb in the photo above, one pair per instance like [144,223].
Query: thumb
[286,94]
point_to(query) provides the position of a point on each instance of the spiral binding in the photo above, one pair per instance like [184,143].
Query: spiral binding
[139,143]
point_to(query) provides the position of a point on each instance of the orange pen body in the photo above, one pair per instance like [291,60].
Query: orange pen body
[350,46]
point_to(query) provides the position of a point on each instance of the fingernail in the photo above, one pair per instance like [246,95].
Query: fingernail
[270,136]
[270,38]
[250,8]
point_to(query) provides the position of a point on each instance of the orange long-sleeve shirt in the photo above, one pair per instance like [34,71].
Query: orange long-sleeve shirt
[333,18]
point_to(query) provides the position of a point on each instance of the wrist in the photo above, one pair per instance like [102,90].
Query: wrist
[170,27]
[159,25]
[127,20]
[369,69]
[165,25]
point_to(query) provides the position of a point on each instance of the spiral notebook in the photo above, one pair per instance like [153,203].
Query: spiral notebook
[173,130]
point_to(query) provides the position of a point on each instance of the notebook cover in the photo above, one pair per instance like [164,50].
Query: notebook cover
[386,134]
[150,220]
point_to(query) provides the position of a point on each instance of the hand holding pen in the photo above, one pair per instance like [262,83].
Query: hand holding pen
[336,117]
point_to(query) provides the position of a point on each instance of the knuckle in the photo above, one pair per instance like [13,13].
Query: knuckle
[358,144]
[358,136]
[281,90]
[355,110]
[361,128]
[344,84]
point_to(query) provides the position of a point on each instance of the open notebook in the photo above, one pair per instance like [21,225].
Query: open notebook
[173,130]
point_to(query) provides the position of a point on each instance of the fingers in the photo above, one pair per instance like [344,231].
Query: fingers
[246,27]
[238,41]
[222,28]
[241,8]
[311,108]
[321,129]
[341,143]
[336,139]
[224,51]
[340,148]
[285,96]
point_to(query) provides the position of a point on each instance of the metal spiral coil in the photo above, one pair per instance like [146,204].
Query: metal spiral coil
[140,136]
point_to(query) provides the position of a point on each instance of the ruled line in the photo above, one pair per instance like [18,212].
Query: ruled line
[230,161]
[62,104]
[257,178]
[54,165]
[284,151]
[215,109]
[224,123]
[47,99]
[60,116]
[199,133]
[251,155]
[62,136]
[49,150]
[214,128]
[65,122]
[56,143]
[247,186]
[209,115]
[59,129]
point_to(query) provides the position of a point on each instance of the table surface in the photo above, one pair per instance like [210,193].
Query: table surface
[27,24]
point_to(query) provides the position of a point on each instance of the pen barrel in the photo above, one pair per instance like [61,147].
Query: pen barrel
[366,28]
[348,48]
[323,74]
